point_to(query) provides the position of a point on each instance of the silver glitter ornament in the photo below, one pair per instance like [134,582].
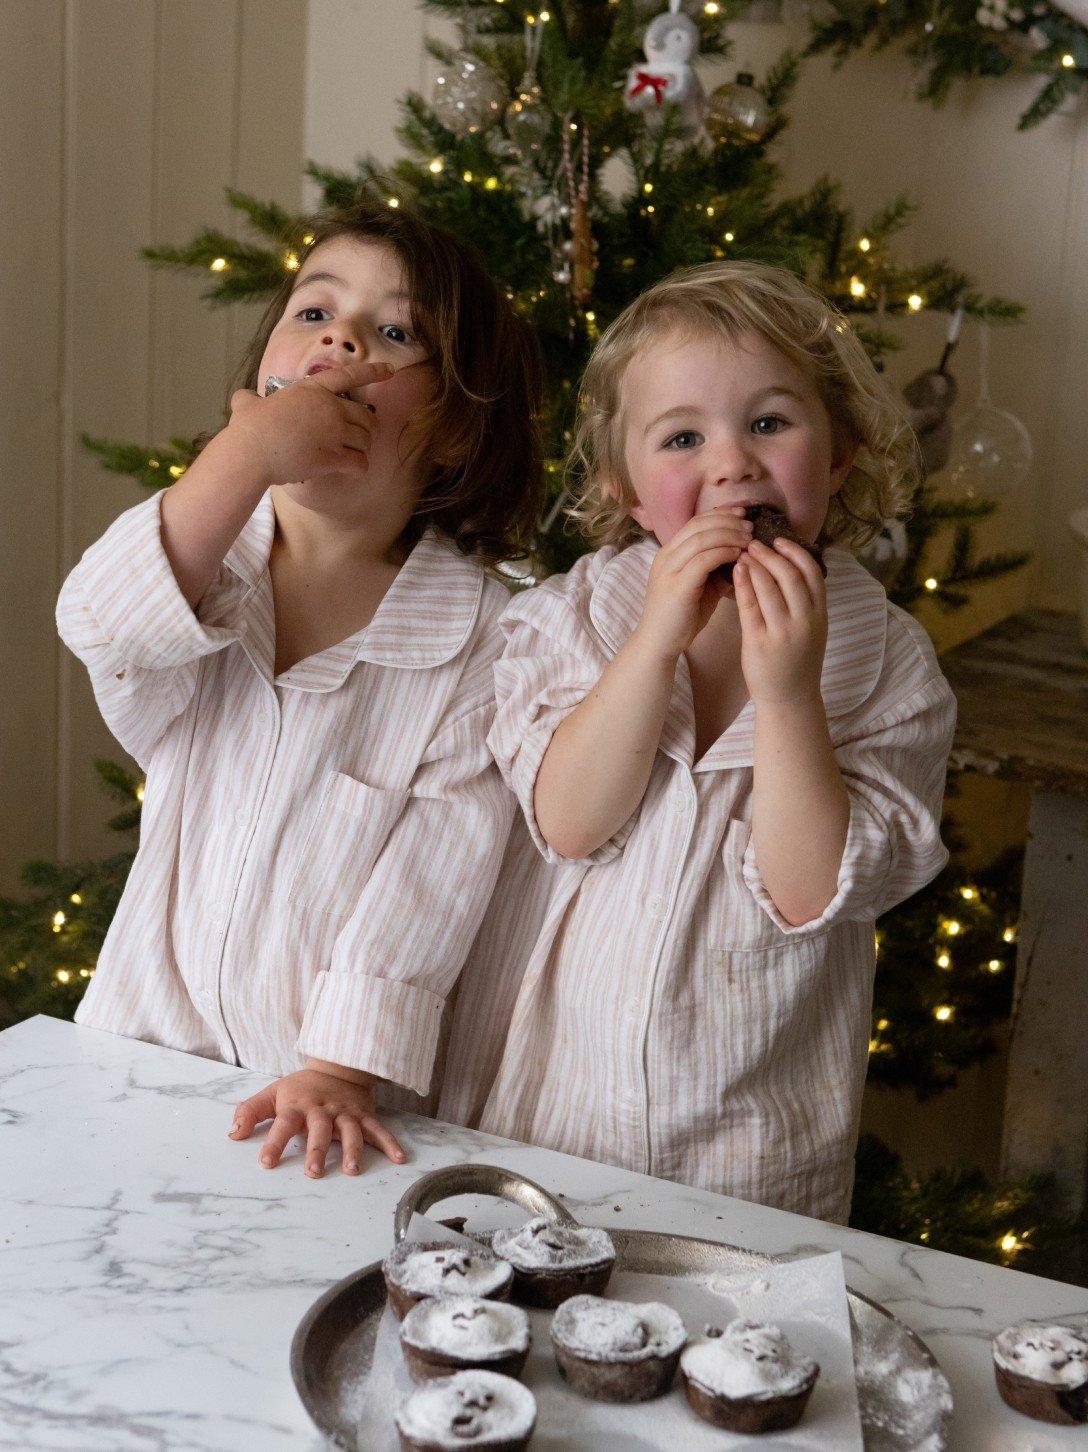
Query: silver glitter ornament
[468,95]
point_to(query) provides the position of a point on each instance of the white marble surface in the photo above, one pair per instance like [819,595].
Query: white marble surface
[152,1274]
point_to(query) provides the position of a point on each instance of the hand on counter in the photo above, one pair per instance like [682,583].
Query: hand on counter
[323,1103]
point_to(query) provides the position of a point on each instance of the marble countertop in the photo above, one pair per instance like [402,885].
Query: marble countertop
[152,1274]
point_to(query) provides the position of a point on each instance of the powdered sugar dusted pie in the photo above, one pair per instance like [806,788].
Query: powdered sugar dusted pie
[1042,1371]
[454,1333]
[617,1351]
[469,1409]
[415,1271]
[747,1378]
[553,1262]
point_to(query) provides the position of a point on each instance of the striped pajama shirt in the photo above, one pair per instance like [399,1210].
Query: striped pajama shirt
[317,848]
[648,1006]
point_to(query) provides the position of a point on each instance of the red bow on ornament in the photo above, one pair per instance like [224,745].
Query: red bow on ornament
[645,81]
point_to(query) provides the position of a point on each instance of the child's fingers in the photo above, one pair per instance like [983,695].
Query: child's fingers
[319,1137]
[360,415]
[351,1143]
[810,570]
[789,584]
[357,440]
[702,532]
[288,1123]
[772,604]
[709,558]
[376,1134]
[744,592]
[351,375]
[251,1111]
[241,399]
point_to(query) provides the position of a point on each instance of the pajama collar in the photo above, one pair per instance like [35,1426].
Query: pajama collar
[425,618]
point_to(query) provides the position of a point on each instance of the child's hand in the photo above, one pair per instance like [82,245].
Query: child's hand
[782,603]
[324,1107]
[307,431]
[680,598]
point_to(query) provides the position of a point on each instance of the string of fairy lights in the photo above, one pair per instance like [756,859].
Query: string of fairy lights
[948,928]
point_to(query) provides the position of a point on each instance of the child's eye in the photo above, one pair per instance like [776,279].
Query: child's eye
[768,418]
[389,329]
[685,439]
[313,315]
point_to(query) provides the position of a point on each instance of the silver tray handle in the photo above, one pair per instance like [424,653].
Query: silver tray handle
[471,1179]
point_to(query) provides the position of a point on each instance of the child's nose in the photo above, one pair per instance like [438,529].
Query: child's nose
[343,339]
[735,460]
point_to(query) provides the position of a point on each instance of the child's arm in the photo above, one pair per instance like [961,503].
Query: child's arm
[597,766]
[302,432]
[127,609]
[800,806]
[837,833]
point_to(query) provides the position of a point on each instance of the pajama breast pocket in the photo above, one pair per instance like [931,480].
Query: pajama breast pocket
[350,826]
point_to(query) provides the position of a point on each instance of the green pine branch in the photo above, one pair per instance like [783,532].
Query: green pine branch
[151,468]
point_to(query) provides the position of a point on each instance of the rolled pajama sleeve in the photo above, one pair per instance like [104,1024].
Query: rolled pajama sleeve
[895,778]
[122,613]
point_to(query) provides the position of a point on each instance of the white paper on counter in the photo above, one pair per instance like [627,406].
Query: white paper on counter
[807,1299]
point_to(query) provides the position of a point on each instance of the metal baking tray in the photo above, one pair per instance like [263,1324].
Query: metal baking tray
[903,1395]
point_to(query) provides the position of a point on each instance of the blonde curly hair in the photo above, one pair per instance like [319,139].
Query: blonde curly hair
[729,299]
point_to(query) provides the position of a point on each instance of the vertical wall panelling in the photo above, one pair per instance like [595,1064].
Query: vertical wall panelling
[32,109]
[133,118]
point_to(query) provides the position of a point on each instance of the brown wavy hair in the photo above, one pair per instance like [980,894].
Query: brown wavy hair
[729,299]
[486,488]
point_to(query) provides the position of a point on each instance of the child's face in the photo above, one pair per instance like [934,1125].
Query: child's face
[350,303]
[710,422]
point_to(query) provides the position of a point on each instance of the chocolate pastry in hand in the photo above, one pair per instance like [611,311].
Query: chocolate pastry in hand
[768,525]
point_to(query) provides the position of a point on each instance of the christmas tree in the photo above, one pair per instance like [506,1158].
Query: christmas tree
[584,171]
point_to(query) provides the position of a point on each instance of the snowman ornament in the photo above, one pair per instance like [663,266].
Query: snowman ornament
[667,78]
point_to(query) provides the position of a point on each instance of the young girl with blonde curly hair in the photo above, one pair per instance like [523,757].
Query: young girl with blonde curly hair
[723,783]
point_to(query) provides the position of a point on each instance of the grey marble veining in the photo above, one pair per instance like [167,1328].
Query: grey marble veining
[152,1274]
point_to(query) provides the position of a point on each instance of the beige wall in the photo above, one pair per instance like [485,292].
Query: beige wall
[121,123]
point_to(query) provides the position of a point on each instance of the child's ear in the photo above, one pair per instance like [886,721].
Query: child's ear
[613,489]
[842,466]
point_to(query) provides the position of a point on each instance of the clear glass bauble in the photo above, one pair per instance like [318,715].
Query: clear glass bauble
[528,121]
[468,95]
[991,452]
[736,112]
